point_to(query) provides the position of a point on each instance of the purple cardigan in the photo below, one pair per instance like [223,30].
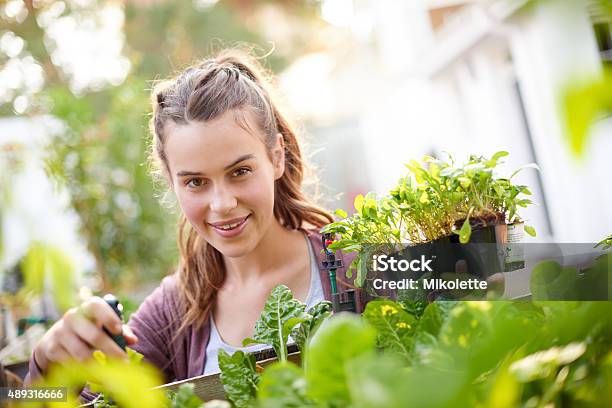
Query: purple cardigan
[157,319]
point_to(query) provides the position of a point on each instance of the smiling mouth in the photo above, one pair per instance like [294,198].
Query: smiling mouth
[231,225]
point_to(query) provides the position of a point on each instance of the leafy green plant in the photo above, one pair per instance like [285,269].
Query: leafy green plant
[184,398]
[340,340]
[282,315]
[283,385]
[501,354]
[303,332]
[476,354]
[393,324]
[239,377]
[434,200]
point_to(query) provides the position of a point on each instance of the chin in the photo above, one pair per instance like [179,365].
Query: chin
[235,250]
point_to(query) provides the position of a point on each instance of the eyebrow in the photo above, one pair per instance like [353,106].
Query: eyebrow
[229,166]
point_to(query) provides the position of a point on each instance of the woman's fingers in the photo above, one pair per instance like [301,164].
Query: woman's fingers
[128,334]
[76,347]
[99,312]
[92,334]
[80,332]
[57,353]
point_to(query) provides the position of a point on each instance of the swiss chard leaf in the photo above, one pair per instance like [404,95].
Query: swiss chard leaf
[395,327]
[318,313]
[434,316]
[280,315]
[239,377]
[340,339]
[185,398]
[283,385]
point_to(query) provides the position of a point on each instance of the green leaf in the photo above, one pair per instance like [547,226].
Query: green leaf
[305,330]
[185,398]
[381,382]
[377,381]
[283,385]
[342,338]
[134,357]
[281,313]
[341,213]
[499,155]
[239,377]
[465,232]
[130,385]
[499,190]
[424,198]
[553,281]
[493,162]
[44,261]
[530,230]
[584,103]
[605,243]
[358,203]
[62,273]
[434,316]
[33,267]
[395,327]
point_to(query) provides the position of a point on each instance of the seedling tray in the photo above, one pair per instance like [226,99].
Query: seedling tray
[209,387]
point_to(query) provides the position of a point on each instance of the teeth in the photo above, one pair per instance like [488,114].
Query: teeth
[230,226]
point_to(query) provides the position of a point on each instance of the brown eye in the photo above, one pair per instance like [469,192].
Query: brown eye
[194,183]
[242,171]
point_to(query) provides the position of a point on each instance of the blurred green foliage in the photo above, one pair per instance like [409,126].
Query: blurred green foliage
[476,354]
[47,261]
[585,102]
[129,382]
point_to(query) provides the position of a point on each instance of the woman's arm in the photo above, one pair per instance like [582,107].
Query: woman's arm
[155,324]
[151,324]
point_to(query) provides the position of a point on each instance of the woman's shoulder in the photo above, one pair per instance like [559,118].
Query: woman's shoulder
[162,303]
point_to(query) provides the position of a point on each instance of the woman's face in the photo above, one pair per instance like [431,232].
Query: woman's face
[224,179]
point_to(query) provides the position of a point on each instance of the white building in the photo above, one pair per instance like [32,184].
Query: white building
[421,77]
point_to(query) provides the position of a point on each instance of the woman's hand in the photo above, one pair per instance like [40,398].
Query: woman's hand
[79,332]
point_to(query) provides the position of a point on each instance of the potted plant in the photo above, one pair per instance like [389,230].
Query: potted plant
[436,204]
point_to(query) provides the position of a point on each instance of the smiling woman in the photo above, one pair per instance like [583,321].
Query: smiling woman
[234,164]
[224,193]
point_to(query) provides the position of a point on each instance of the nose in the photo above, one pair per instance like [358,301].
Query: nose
[223,200]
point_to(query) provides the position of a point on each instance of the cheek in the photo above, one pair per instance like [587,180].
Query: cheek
[192,206]
[259,193]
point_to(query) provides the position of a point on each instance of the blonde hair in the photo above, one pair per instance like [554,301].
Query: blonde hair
[232,80]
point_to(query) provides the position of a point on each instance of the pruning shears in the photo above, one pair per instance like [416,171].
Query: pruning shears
[117,307]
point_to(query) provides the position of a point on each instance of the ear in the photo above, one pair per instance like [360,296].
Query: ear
[278,156]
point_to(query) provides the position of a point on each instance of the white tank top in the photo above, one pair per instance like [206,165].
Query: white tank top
[315,295]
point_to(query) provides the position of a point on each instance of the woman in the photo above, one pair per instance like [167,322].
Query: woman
[234,164]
